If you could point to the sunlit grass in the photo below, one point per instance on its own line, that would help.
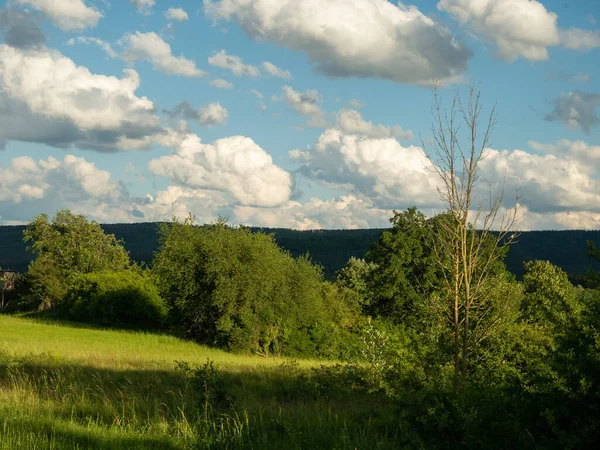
(65, 386)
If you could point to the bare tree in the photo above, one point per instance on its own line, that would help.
(476, 232)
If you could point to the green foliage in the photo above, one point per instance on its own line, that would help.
(550, 298)
(65, 247)
(405, 272)
(236, 289)
(126, 298)
(355, 276)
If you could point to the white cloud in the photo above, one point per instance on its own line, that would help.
(578, 39)
(390, 175)
(345, 212)
(518, 28)
(152, 48)
(177, 14)
(45, 97)
(578, 151)
(235, 165)
(233, 63)
(143, 6)
(94, 41)
(275, 71)
(28, 187)
(221, 84)
(351, 122)
(68, 15)
(548, 183)
(353, 38)
(306, 104)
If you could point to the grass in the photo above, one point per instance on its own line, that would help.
(67, 386)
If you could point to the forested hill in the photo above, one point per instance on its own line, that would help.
(332, 248)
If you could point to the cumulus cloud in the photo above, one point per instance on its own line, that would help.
(48, 185)
(143, 6)
(233, 63)
(275, 71)
(344, 212)
(576, 110)
(152, 48)
(21, 29)
(350, 121)
(518, 28)
(68, 15)
(235, 165)
(548, 183)
(353, 38)
(45, 97)
(578, 151)
(306, 104)
(207, 115)
(177, 14)
(578, 39)
(390, 175)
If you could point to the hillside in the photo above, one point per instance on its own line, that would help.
(332, 248)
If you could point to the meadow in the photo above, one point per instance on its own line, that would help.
(64, 385)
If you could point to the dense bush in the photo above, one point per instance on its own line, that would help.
(238, 290)
(128, 298)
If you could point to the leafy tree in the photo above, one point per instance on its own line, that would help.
(355, 276)
(238, 290)
(405, 271)
(65, 247)
(550, 298)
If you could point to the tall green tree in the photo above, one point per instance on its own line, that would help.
(67, 246)
(406, 273)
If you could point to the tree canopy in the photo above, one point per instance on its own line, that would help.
(66, 246)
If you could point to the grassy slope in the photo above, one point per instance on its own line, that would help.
(63, 386)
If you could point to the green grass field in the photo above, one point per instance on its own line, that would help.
(66, 386)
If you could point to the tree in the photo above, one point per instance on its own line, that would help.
(406, 273)
(550, 298)
(238, 290)
(462, 250)
(65, 247)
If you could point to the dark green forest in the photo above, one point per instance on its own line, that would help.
(332, 248)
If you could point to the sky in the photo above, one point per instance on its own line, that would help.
(305, 114)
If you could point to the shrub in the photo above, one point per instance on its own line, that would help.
(128, 298)
(238, 290)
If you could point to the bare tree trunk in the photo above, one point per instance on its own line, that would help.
(466, 240)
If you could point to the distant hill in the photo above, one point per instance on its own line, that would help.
(332, 248)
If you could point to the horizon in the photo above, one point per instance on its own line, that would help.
(302, 115)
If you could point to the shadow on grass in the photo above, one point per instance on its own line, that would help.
(27, 433)
(267, 408)
(51, 318)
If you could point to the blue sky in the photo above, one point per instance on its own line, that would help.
(291, 113)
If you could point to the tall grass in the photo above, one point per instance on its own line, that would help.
(64, 386)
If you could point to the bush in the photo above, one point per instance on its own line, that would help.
(238, 290)
(128, 298)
